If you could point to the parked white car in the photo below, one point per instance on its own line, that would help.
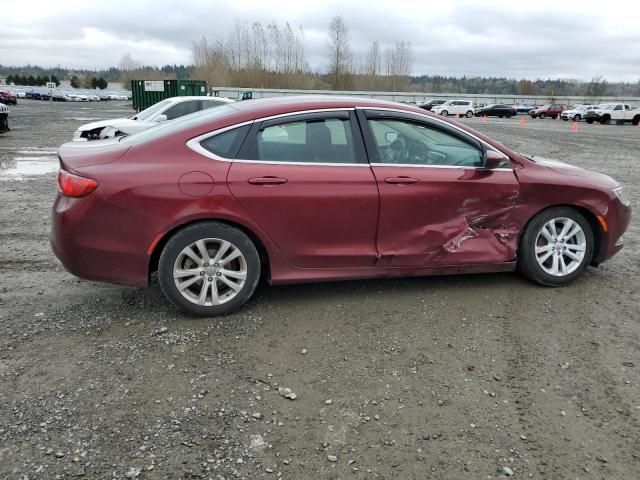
(577, 112)
(168, 109)
(453, 107)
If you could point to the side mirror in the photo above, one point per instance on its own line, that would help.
(161, 118)
(493, 159)
(391, 136)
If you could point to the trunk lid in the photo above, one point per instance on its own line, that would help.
(74, 155)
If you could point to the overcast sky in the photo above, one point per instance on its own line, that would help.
(517, 39)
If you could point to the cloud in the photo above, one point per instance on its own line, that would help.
(572, 39)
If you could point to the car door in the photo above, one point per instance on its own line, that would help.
(306, 181)
(438, 204)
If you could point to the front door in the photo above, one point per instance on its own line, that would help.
(306, 181)
(438, 205)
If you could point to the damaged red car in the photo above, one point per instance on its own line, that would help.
(319, 188)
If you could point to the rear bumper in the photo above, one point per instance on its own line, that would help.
(100, 241)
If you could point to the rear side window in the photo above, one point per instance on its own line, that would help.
(226, 144)
(326, 140)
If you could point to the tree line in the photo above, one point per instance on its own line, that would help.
(30, 80)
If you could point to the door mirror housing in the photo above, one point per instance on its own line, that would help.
(161, 118)
(493, 159)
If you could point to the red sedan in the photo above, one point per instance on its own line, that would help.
(314, 188)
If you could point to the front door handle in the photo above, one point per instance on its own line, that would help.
(400, 180)
(267, 181)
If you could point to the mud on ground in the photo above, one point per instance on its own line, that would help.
(462, 377)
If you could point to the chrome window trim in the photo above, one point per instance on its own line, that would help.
(194, 143)
(414, 165)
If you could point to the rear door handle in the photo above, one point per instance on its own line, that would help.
(400, 180)
(267, 181)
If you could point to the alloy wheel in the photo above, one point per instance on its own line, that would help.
(210, 272)
(560, 246)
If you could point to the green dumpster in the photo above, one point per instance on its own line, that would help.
(149, 92)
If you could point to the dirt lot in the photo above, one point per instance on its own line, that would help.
(464, 377)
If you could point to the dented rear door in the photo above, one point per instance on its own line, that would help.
(438, 206)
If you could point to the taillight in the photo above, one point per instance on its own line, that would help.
(74, 185)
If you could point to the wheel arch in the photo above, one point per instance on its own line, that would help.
(590, 216)
(259, 244)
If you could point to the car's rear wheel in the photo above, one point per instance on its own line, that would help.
(556, 247)
(542, 115)
(469, 114)
(209, 269)
(605, 120)
(444, 113)
(577, 117)
(635, 121)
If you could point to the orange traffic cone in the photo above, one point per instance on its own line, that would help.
(522, 121)
(574, 127)
(484, 119)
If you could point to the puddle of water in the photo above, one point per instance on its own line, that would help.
(28, 166)
(38, 151)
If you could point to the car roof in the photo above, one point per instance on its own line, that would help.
(199, 97)
(278, 105)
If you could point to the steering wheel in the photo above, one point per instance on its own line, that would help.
(417, 153)
(397, 150)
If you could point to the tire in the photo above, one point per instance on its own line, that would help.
(499, 116)
(605, 120)
(469, 114)
(509, 116)
(444, 113)
(636, 121)
(577, 118)
(566, 119)
(211, 235)
(542, 116)
(539, 266)
(590, 121)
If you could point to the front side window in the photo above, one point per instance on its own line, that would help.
(326, 140)
(406, 142)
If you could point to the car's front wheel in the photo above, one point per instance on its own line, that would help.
(542, 115)
(469, 114)
(209, 269)
(556, 247)
(444, 113)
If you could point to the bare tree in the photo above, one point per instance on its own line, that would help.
(398, 66)
(128, 66)
(339, 53)
(373, 66)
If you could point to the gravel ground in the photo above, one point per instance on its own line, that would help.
(465, 377)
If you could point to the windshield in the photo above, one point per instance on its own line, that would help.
(151, 111)
(182, 123)
(608, 106)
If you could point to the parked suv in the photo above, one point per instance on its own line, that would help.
(618, 112)
(552, 110)
(577, 112)
(453, 107)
